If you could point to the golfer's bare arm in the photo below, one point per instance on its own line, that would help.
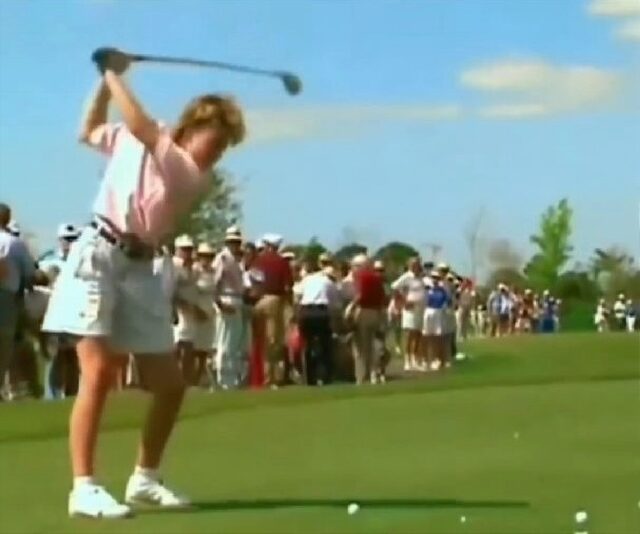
(141, 125)
(96, 113)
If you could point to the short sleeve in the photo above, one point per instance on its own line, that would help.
(399, 283)
(176, 165)
(103, 138)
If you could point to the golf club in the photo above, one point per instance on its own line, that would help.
(291, 82)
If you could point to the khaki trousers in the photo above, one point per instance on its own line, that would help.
(367, 323)
(272, 308)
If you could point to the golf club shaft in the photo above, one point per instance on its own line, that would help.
(202, 63)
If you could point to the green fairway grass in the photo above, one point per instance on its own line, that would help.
(516, 440)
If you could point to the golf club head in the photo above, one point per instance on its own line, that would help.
(291, 82)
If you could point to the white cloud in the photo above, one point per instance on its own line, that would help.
(629, 31)
(615, 8)
(286, 124)
(536, 87)
(514, 111)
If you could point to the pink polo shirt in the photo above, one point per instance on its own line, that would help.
(145, 192)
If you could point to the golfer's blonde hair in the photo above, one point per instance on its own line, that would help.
(217, 111)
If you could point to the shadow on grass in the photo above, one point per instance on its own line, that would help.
(381, 504)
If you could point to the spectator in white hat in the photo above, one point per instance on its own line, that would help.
(62, 371)
(186, 299)
(67, 234)
(228, 291)
(204, 335)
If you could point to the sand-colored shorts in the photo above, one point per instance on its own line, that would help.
(101, 292)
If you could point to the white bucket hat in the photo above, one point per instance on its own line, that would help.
(275, 240)
(67, 231)
(233, 234)
(206, 249)
(184, 241)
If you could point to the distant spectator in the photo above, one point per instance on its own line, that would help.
(370, 303)
(18, 270)
(601, 318)
(278, 286)
(410, 288)
(632, 313)
(316, 297)
(620, 313)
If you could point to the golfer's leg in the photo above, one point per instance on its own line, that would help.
(161, 376)
(99, 368)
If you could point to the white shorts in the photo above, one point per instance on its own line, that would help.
(434, 323)
(186, 328)
(413, 319)
(205, 338)
(102, 293)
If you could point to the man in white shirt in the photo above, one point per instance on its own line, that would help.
(228, 291)
(316, 297)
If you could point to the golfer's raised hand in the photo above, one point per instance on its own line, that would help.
(110, 59)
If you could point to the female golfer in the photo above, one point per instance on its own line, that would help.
(107, 293)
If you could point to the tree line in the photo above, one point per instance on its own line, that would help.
(608, 272)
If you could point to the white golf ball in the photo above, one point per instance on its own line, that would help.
(463, 519)
(581, 516)
(352, 508)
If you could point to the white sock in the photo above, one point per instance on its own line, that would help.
(146, 472)
(78, 482)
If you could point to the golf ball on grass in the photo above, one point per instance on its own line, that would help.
(463, 519)
(581, 516)
(353, 508)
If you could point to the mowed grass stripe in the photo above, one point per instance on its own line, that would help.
(511, 361)
(415, 463)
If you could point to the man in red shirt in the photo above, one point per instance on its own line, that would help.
(370, 299)
(278, 283)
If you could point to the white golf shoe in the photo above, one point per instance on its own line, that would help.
(145, 490)
(90, 500)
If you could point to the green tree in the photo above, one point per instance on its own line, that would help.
(553, 244)
(576, 285)
(511, 276)
(308, 251)
(395, 256)
(613, 270)
(214, 212)
(313, 249)
(347, 252)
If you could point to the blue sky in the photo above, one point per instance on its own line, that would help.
(422, 112)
